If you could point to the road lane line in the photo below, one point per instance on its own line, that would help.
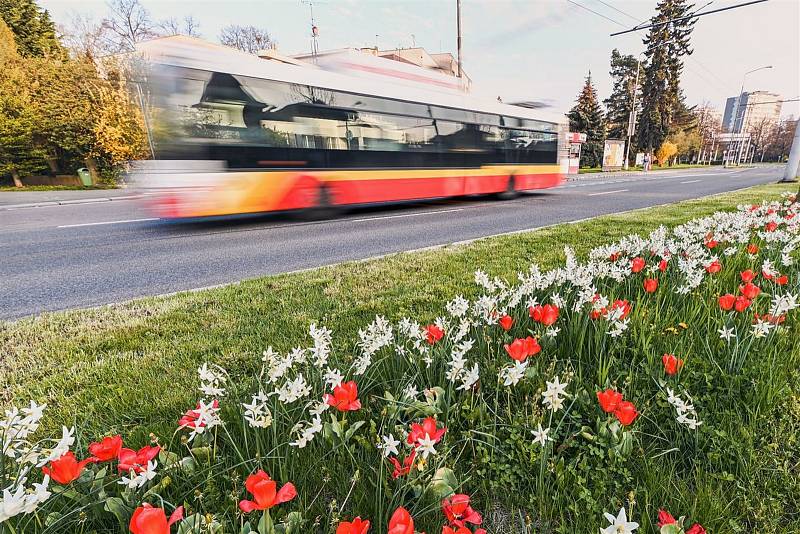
(432, 212)
(691, 181)
(607, 192)
(108, 222)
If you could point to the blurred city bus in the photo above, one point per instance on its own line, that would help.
(234, 133)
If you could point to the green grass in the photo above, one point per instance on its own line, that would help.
(131, 368)
(107, 366)
(11, 188)
(591, 170)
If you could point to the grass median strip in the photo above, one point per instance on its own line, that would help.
(124, 366)
(547, 400)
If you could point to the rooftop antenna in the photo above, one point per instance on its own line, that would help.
(314, 29)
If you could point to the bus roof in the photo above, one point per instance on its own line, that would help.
(191, 52)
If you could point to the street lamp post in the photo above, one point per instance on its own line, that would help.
(735, 115)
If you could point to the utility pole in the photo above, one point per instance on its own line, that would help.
(793, 165)
(632, 117)
(458, 29)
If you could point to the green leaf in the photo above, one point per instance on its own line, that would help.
(293, 523)
(352, 430)
(265, 525)
(120, 509)
(443, 483)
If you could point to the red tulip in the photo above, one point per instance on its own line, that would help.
(506, 322)
(401, 522)
(626, 412)
(136, 460)
(344, 398)
(696, 529)
(549, 314)
(356, 526)
(714, 267)
(741, 304)
(671, 364)
(149, 520)
(752, 248)
(747, 276)
(433, 333)
(265, 491)
(650, 285)
(662, 265)
(106, 449)
(458, 511)
(782, 280)
(726, 301)
(665, 518)
(609, 400)
(771, 226)
(767, 276)
(711, 243)
(769, 318)
(428, 427)
(536, 312)
(66, 469)
(637, 264)
(750, 290)
(520, 349)
(405, 469)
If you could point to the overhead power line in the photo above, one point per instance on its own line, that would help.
(596, 13)
(692, 16)
(639, 21)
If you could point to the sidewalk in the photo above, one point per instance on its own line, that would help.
(28, 199)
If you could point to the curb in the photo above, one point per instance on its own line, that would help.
(67, 202)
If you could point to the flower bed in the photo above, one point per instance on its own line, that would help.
(621, 383)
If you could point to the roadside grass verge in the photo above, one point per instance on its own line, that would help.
(130, 369)
(28, 188)
(131, 366)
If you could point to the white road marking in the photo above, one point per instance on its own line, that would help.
(607, 192)
(108, 222)
(691, 181)
(401, 216)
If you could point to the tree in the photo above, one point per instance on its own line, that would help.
(246, 38)
(667, 43)
(128, 23)
(34, 31)
(587, 117)
(19, 152)
(172, 26)
(779, 140)
(665, 152)
(620, 103)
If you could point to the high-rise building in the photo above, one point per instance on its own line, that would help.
(750, 110)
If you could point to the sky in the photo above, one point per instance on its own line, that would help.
(538, 50)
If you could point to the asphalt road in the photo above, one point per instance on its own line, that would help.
(59, 256)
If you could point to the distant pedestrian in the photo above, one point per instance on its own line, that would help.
(646, 163)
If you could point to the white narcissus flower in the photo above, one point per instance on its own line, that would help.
(389, 445)
(552, 396)
(619, 524)
(469, 378)
(513, 374)
(726, 333)
(425, 446)
(541, 436)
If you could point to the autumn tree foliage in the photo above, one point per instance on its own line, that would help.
(58, 114)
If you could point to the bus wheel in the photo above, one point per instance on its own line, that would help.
(323, 208)
(510, 191)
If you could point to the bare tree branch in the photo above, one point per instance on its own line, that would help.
(128, 23)
(246, 38)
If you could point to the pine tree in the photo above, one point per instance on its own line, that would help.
(620, 103)
(667, 43)
(587, 117)
(34, 31)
